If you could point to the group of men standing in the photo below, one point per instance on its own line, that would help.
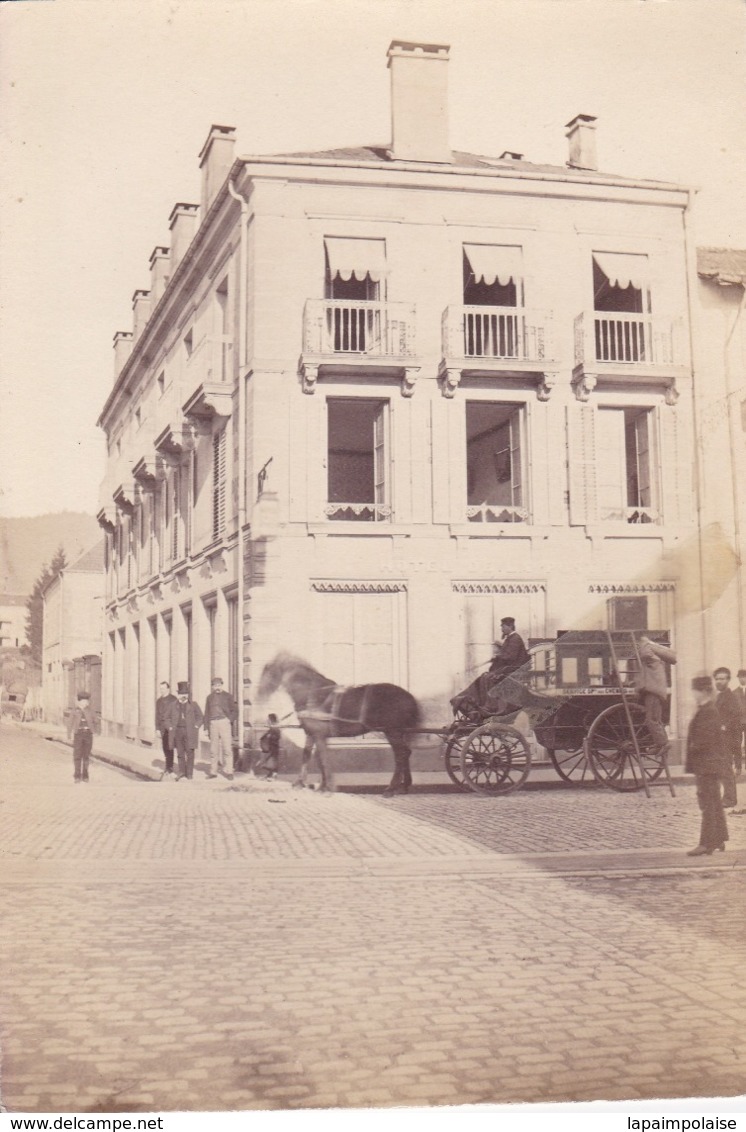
(178, 720)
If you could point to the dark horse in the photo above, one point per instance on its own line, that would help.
(327, 711)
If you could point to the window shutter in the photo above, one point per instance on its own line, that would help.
(677, 462)
(218, 484)
(581, 437)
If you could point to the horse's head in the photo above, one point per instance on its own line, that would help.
(292, 674)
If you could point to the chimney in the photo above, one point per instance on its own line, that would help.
(581, 133)
(419, 102)
(215, 160)
(123, 343)
(159, 269)
(183, 225)
(140, 312)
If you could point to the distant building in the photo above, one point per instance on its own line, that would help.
(720, 421)
(73, 622)
(13, 621)
(377, 398)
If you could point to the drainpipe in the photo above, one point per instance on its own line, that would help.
(691, 276)
(242, 323)
(730, 408)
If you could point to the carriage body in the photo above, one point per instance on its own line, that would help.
(578, 691)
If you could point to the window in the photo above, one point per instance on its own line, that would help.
(628, 612)
(625, 462)
(234, 658)
(218, 483)
(620, 288)
(494, 463)
(211, 610)
(175, 514)
(492, 278)
(357, 460)
(355, 276)
(189, 342)
(161, 383)
(361, 633)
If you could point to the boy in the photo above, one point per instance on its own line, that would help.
(81, 725)
(270, 744)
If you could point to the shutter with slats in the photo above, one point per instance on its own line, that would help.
(581, 437)
(218, 484)
(677, 462)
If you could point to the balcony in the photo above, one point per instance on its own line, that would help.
(484, 341)
(612, 346)
(208, 381)
(342, 336)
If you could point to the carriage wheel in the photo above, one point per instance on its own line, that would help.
(611, 749)
(572, 765)
(495, 759)
(452, 755)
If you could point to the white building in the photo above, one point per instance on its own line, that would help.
(72, 627)
(13, 614)
(377, 398)
(720, 407)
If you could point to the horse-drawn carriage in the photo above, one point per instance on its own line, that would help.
(576, 694)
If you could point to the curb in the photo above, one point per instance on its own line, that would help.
(148, 774)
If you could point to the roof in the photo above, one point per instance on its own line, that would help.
(725, 265)
(91, 561)
(380, 155)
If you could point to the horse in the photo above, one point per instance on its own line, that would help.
(326, 710)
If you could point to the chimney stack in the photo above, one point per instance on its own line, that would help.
(215, 160)
(419, 102)
(123, 343)
(140, 312)
(159, 268)
(581, 133)
(183, 224)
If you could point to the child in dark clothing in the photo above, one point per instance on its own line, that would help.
(81, 725)
(270, 745)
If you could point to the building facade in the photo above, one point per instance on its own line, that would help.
(13, 614)
(720, 421)
(376, 399)
(71, 641)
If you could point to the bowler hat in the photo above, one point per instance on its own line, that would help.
(507, 621)
(702, 683)
(182, 688)
(84, 695)
(741, 672)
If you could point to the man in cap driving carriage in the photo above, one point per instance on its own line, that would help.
(510, 655)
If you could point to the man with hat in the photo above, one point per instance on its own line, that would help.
(740, 694)
(707, 759)
(161, 706)
(221, 713)
(184, 719)
(82, 723)
(730, 717)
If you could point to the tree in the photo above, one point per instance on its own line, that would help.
(35, 604)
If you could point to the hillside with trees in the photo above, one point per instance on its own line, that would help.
(27, 545)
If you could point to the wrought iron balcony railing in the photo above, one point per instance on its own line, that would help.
(372, 329)
(627, 339)
(499, 333)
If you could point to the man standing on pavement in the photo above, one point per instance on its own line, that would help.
(221, 713)
(81, 726)
(740, 694)
(730, 718)
(184, 719)
(651, 683)
(161, 705)
(706, 757)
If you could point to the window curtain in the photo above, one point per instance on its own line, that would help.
(356, 258)
(490, 262)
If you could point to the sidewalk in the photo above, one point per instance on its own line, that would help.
(146, 762)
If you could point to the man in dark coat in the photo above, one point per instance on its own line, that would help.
(707, 759)
(82, 724)
(510, 654)
(730, 717)
(161, 705)
(740, 694)
(184, 719)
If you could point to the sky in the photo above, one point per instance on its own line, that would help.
(105, 105)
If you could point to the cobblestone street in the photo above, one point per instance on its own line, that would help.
(207, 945)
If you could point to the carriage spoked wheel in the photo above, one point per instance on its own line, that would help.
(572, 764)
(495, 759)
(611, 749)
(452, 753)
